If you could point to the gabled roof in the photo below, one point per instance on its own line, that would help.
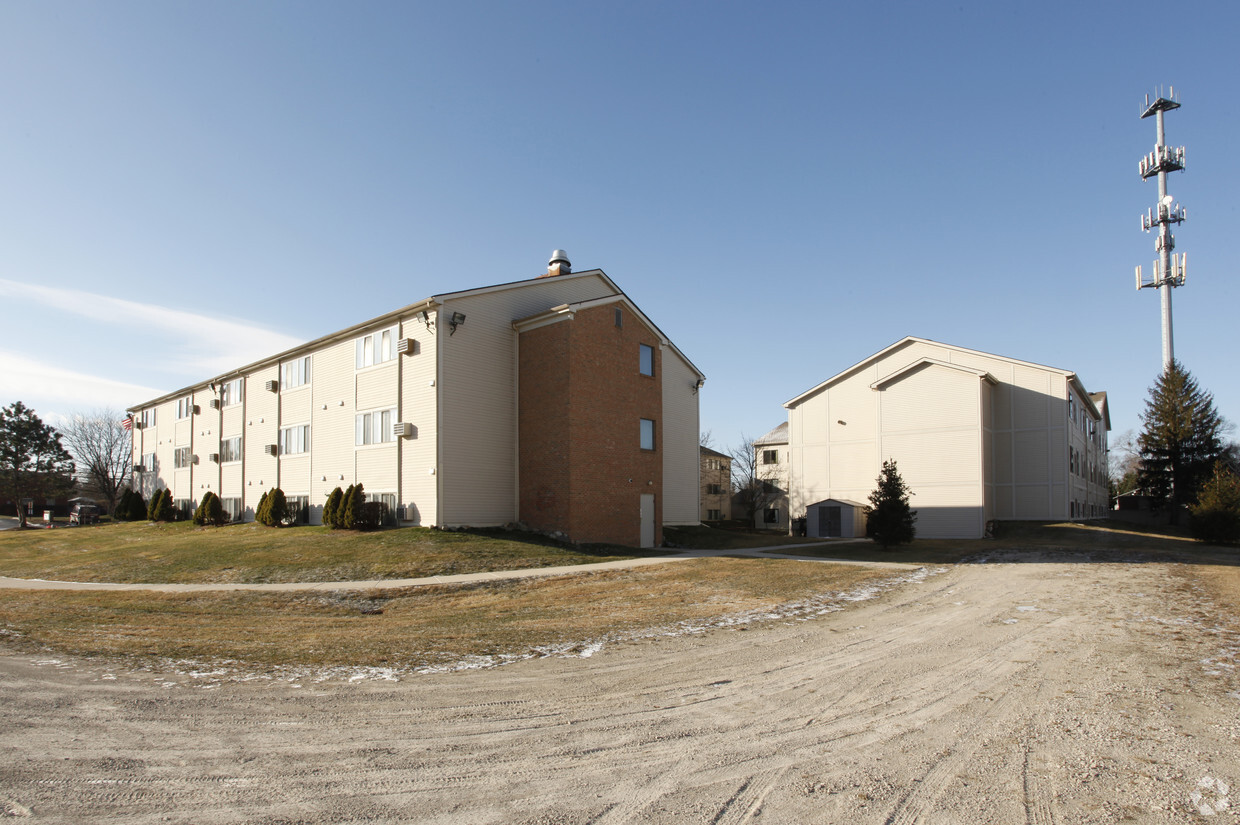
(779, 435)
(900, 373)
(1100, 403)
(565, 312)
(707, 451)
(1068, 375)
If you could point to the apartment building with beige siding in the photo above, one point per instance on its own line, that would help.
(423, 407)
(977, 437)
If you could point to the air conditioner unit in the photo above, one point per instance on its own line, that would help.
(271, 449)
(138, 425)
(407, 346)
(215, 403)
(400, 514)
(272, 386)
(214, 458)
(402, 429)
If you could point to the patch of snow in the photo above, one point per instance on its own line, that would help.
(1010, 621)
(1026, 609)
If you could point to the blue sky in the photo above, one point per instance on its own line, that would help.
(785, 188)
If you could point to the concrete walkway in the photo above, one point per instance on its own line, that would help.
(463, 578)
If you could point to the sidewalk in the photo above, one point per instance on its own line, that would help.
(463, 578)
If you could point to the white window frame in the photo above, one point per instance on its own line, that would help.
(295, 373)
(377, 347)
(374, 427)
(148, 462)
(770, 457)
(181, 458)
(295, 440)
(232, 392)
(226, 452)
(185, 407)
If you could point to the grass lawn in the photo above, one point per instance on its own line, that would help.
(181, 552)
(411, 628)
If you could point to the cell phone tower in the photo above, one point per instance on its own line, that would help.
(1169, 269)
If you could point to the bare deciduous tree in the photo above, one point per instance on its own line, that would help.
(101, 445)
(754, 486)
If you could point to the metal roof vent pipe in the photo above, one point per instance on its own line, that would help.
(558, 265)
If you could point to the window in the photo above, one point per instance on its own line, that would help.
(148, 462)
(181, 458)
(231, 392)
(148, 418)
(375, 427)
(647, 434)
(646, 359)
(230, 449)
(295, 373)
(298, 509)
(294, 440)
(185, 407)
(619, 317)
(232, 508)
(388, 500)
(770, 456)
(184, 508)
(713, 515)
(376, 348)
(714, 490)
(771, 515)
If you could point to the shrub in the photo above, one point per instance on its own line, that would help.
(121, 513)
(273, 509)
(1216, 515)
(260, 512)
(210, 510)
(374, 514)
(163, 506)
(153, 505)
(351, 508)
(332, 508)
(137, 507)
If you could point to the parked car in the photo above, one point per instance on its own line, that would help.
(83, 514)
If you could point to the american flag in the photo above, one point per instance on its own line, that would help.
(128, 422)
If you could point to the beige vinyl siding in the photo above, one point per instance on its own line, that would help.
(262, 427)
(682, 463)
(377, 466)
(477, 385)
(419, 453)
(331, 422)
(295, 475)
(378, 386)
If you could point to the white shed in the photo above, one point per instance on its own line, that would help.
(835, 518)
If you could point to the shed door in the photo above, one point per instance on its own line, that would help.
(829, 521)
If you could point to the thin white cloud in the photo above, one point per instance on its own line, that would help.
(201, 345)
(25, 378)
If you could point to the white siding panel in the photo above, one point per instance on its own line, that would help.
(377, 386)
(1030, 397)
(943, 458)
(377, 467)
(295, 476)
(1031, 457)
(681, 455)
(929, 398)
(853, 466)
(477, 384)
(1032, 502)
(262, 427)
(419, 453)
(854, 403)
(331, 424)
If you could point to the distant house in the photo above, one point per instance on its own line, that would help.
(716, 475)
(771, 458)
(553, 401)
(975, 436)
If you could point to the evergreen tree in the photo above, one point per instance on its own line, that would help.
(332, 508)
(121, 513)
(153, 505)
(1180, 441)
(33, 462)
(1216, 515)
(137, 507)
(210, 510)
(260, 512)
(891, 520)
(163, 507)
(277, 508)
(354, 500)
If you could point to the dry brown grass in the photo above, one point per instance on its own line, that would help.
(409, 628)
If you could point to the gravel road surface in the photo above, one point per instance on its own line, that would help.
(1051, 690)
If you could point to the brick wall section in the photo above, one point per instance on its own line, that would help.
(542, 419)
(585, 371)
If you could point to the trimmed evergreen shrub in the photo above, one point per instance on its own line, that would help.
(163, 506)
(121, 513)
(273, 508)
(374, 513)
(351, 510)
(137, 507)
(260, 512)
(153, 505)
(332, 508)
(210, 510)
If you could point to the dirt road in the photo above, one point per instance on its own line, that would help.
(1052, 691)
